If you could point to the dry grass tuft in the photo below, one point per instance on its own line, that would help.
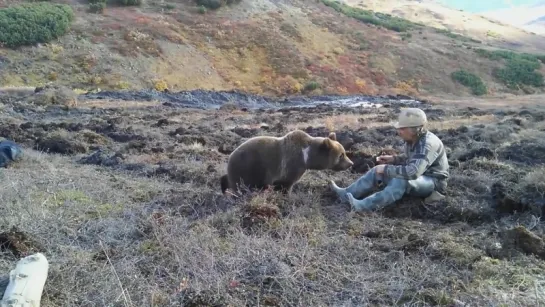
(54, 96)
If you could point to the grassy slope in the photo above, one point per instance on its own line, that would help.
(270, 47)
(155, 219)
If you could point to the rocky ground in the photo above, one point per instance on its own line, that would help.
(123, 197)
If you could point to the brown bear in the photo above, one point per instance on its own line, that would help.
(280, 162)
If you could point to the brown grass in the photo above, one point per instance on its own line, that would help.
(154, 230)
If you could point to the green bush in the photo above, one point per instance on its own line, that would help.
(97, 6)
(519, 69)
(506, 54)
(453, 35)
(519, 72)
(215, 4)
(541, 58)
(311, 86)
(384, 20)
(31, 23)
(470, 80)
(128, 2)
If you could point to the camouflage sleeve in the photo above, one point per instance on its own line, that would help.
(424, 155)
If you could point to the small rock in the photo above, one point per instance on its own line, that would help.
(162, 122)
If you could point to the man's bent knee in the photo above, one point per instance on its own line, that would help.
(423, 186)
(398, 187)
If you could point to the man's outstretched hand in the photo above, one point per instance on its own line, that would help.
(385, 159)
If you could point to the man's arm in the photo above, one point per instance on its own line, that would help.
(424, 156)
(399, 159)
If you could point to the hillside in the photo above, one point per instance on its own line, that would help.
(266, 47)
(528, 17)
(494, 32)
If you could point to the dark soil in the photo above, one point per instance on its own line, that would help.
(229, 100)
(19, 243)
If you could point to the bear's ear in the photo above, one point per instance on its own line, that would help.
(326, 144)
(332, 136)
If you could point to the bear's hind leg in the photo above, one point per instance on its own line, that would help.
(283, 186)
(252, 183)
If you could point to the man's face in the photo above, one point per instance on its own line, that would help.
(407, 134)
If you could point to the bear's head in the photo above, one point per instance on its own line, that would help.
(327, 153)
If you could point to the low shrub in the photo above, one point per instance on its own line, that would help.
(457, 36)
(215, 4)
(507, 55)
(470, 80)
(311, 86)
(97, 6)
(380, 19)
(518, 72)
(519, 69)
(31, 23)
(128, 2)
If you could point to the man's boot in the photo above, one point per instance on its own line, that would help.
(393, 192)
(434, 197)
(360, 187)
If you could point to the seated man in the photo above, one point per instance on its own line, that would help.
(422, 170)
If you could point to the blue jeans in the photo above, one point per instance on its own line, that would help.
(395, 189)
(9, 152)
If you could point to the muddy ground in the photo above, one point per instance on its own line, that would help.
(123, 197)
(206, 99)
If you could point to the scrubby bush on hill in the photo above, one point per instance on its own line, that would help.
(470, 80)
(519, 69)
(506, 54)
(519, 72)
(98, 6)
(215, 4)
(32, 23)
(453, 35)
(311, 86)
(541, 58)
(128, 2)
(385, 20)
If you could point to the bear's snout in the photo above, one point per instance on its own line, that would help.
(344, 164)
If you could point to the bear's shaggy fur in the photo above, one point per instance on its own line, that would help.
(265, 161)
